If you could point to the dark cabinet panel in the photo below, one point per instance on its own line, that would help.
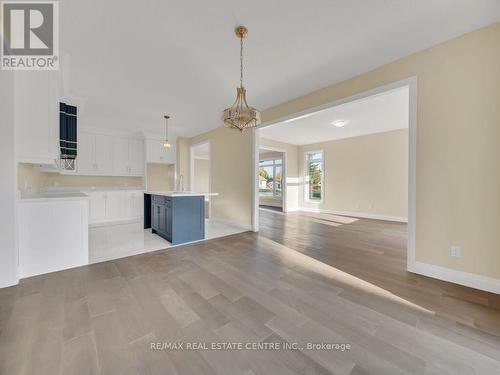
(178, 219)
(168, 219)
(162, 219)
(155, 217)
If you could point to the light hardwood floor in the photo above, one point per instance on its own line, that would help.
(303, 278)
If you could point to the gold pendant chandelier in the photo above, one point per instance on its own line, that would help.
(240, 115)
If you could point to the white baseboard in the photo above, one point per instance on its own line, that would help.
(471, 280)
(361, 215)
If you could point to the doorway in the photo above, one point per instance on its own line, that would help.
(272, 179)
(303, 178)
(200, 172)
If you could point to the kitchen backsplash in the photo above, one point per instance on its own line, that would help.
(29, 178)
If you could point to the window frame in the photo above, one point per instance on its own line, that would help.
(306, 176)
(274, 176)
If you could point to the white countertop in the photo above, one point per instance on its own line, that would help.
(90, 188)
(181, 193)
(27, 196)
(61, 193)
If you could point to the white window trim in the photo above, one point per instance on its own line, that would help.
(306, 177)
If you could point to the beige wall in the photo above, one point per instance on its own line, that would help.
(182, 161)
(291, 170)
(458, 138)
(32, 179)
(366, 174)
(201, 174)
(160, 177)
(231, 169)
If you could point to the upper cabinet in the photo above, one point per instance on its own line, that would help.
(120, 156)
(85, 153)
(100, 152)
(128, 156)
(109, 155)
(156, 153)
(136, 157)
(94, 154)
(36, 108)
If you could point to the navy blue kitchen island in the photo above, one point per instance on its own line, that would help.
(177, 217)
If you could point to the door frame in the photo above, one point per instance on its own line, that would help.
(411, 82)
(283, 175)
(191, 170)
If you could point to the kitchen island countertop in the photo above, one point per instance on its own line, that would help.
(181, 193)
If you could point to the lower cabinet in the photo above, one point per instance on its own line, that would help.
(115, 205)
(161, 216)
(178, 219)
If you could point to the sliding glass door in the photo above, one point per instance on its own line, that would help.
(270, 174)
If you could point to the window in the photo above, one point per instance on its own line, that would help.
(314, 176)
(270, 174)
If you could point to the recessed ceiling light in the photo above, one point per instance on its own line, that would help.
(339, 123)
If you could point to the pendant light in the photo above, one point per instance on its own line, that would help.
(166, 142)
(240, 115)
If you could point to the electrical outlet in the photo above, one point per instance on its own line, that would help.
(456, 251)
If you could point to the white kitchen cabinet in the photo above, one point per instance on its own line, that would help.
(85, 154)
(103, 154)
(136, 157)
(128, 156)
(36, 109)
(97, 201)
(120, 156)
(136, 204)
(112, 206)
(156, 153)
(115, 209)
(94, 154)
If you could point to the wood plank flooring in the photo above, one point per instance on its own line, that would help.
(303, 278)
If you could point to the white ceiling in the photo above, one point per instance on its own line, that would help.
(126, 63)
(374, 114)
